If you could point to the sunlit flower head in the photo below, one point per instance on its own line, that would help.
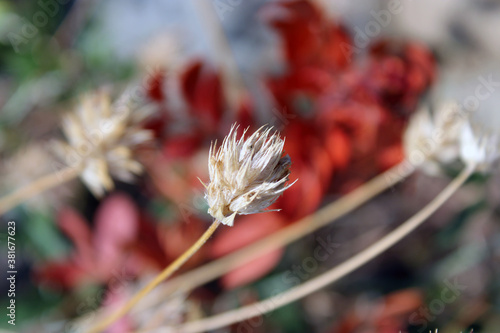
(479, 145)
(433, 140)
(100, 140)
(246, 176)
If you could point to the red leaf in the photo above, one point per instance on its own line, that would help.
(299, 23)
(336, 52)
(400, 302)
(304, 196)
(61, 274)
(312, 165)
(116, 222)
(76, 228)
(244, 114)
(387, 314)
(251, 271)
(201, 87)
(390, 157)
(182, 146)
(154, 85)
(339, 148)
(189, 80)
(246, 230)
(360, 120)
(147, 245)
(157, 123)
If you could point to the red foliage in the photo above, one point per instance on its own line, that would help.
(312, 166)
(308, 37)
(345, 117)
(399, 73)
(360, 107)
(100, 253)
(246, 231)
(155, 83)
(201, 88)
(182, 145)
(122, 245)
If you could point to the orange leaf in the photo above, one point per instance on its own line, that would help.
(246, 230)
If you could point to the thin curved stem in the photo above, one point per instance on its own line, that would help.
(36, 187)
(334, 274)
(231, 76)
(291, 233)
(167, 272)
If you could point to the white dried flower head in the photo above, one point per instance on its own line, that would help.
(246, 176)
(479, 146)
(433, 140)
(101, 138)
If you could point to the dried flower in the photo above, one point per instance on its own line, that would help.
(479, 146)
(246, 176)
(433, 140)
(448, 135)
(101, 138)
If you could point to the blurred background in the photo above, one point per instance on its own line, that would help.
(339, 79)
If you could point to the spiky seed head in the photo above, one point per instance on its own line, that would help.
(450, 134)
(479, 146)
(101, 138)
(432, 140)
(246, 176)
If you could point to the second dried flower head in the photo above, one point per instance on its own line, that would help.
(101, 138)
(246, 176)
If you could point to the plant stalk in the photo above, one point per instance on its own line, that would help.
(166, 273)
(289, 234)
(334, 274)
(36, 187)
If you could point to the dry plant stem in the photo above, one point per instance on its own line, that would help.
(36, 187)
(334, 274)
(291, 233)
(167, 272)
(234, 84)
